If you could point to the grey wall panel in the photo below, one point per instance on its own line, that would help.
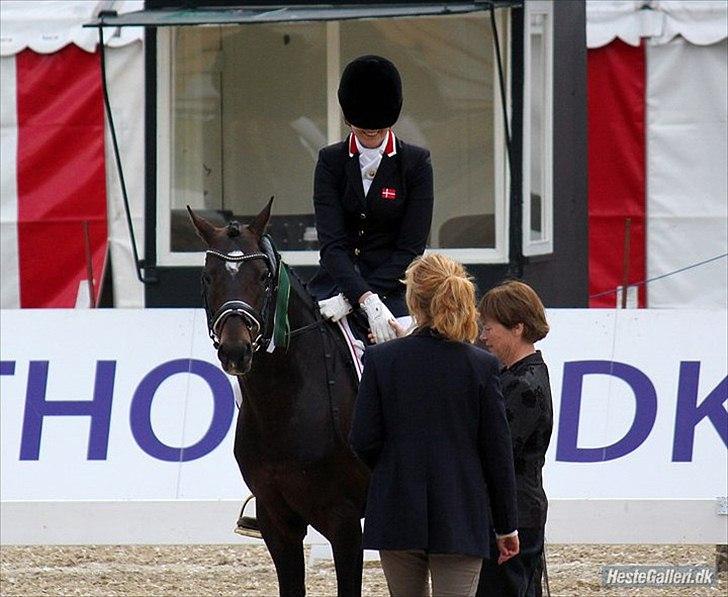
(562, 279)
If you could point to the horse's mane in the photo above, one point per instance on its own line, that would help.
(300, 287)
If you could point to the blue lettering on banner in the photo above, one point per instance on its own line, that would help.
(645, 412)
(689, 414)
(140, 416)
(37, 407)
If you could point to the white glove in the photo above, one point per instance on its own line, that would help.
(379, 317)
(335, 308)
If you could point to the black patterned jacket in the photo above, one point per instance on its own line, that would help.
(527, 394)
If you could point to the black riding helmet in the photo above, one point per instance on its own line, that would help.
(370, 92)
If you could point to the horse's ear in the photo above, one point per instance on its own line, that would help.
(259, 224)
(203, 227)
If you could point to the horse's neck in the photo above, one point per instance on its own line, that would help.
(302, 309)
(290, 390)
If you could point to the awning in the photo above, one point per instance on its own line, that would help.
(166, 17)
(701, 22)
(47, 27)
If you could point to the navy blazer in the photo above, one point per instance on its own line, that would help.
(367, 242)
(430, 422)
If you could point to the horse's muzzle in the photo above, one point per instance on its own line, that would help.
(236, 350)
(237, 359)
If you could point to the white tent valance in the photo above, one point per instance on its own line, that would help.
(47, 26)
(700, 22)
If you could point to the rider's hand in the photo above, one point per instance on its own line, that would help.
(507, 547)
(379, 317)
(335, 308)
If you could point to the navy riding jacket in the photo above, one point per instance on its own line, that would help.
(367, 242)
(430, 422)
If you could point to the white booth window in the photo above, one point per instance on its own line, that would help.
(242, 111)
(537, 129)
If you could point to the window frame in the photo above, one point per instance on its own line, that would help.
(545, 246)
(165, 145)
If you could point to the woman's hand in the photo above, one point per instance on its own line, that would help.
(507, 547)
(398, 328)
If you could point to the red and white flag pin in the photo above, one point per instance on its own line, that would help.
(388, 193)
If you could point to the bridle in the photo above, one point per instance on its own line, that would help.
(260, 324)
(255, 321)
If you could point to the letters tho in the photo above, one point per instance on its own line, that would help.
(37, 407)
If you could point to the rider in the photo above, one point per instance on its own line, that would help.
(373, 200)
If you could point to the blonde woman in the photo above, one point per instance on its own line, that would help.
(430, 423)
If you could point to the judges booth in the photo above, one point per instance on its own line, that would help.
(240, 97)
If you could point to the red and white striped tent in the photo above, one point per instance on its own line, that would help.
(658, 105)
(657, 73)
(60, 200)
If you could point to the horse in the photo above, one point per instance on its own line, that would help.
(298, 387)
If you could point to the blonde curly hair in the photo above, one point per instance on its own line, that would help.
(441, 295)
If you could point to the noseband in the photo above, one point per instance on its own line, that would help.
(253, 320)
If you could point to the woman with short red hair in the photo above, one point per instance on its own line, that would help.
(514, 319)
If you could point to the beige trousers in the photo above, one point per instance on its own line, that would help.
(453, 575)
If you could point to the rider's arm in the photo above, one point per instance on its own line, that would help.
(334, 252)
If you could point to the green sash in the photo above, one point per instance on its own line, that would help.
(281, 326)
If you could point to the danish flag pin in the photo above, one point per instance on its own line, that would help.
(388, 193)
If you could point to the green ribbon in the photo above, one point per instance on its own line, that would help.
(281, 326)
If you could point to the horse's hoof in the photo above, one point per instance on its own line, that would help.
(248, 527)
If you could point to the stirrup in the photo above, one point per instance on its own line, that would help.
(247, 526)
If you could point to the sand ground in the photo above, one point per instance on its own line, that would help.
(246, 569)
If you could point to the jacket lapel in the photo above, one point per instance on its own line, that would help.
(353, 177)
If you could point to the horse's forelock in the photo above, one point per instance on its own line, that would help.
(233, 229)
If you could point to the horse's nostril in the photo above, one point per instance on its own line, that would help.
(236, 356)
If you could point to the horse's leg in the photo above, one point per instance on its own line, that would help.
(345, 538)
(283, 535)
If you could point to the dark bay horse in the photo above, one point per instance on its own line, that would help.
(290, 440)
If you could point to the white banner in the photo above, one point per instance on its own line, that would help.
(112, 405)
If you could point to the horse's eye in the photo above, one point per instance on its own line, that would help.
(206, 278)
(264, 276)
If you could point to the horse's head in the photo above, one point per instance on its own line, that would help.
(237, 285)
